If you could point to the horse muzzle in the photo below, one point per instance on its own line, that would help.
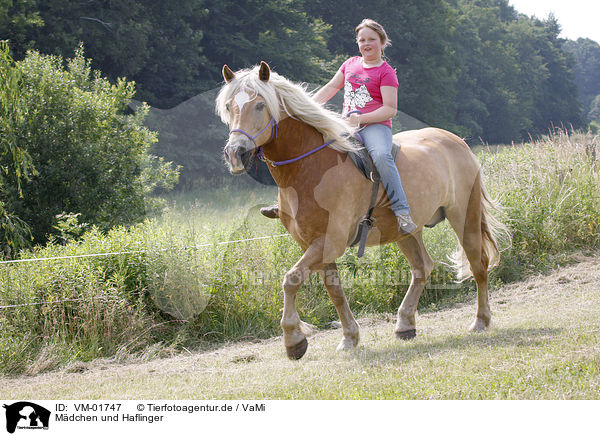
(238, 155)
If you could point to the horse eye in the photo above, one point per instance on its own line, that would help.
(260, 106)
(227, 107)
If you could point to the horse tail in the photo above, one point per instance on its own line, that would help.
(492, 230)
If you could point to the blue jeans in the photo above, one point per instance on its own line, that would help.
(378, 141)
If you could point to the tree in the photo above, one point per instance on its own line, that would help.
(15, 162)
(488, 88)
(90, 158)
(18, 19)
(586, 53)
(243, 33)
(175, 53)
(515, 78)
(556, 104)
(152, 43)
(594, 113)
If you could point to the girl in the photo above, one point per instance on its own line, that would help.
(370, 98)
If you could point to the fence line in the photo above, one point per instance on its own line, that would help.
(117, 253)
(39, 303)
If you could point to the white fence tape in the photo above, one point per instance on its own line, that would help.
(117, 253)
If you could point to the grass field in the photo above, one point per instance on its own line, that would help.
(544, 344)
(184, 287)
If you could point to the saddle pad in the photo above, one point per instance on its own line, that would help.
(363, 161)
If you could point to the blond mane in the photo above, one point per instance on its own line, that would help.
(280, 93)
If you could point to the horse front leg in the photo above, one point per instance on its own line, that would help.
(294, 330)
(331, 279)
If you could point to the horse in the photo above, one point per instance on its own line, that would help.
(322, 196)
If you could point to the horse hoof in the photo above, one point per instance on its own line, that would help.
(478, 326)
(406, 335)
(297, 351)
(347, 344)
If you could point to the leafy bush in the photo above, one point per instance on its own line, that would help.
(90, 157)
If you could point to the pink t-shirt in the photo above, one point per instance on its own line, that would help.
(362, 86)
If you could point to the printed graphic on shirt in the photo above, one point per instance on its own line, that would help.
(355, 99)
(358, 78)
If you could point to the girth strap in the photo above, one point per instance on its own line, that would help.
(367, 222)
(364, 163)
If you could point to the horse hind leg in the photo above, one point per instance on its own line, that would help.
(470, 227)
(331, 279)
(421, 266)
(472, 246)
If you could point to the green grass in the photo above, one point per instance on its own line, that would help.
(183, 289)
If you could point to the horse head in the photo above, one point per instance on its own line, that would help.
(252, 124)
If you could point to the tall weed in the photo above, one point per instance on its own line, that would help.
(550, 190)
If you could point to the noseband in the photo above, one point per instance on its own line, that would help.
(271, 123)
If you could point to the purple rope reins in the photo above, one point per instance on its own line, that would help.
(262, 157)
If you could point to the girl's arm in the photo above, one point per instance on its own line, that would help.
(389, 95)
(324, 94)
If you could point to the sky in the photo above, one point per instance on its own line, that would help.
(577, 18)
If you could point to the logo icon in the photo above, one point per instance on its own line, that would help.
(26, 415)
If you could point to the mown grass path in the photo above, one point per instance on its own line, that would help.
(544, 344)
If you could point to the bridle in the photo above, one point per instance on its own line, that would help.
(259, 153)
(271, 123)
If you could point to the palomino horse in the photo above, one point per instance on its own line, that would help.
(322, 196)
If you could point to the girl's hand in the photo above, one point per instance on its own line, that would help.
(354, 120)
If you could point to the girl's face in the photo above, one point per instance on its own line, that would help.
(369, 44)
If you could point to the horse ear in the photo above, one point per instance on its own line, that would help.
(264, 72)
(228, 75)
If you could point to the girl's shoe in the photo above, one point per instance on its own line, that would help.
(405, 224)
(270, 211)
